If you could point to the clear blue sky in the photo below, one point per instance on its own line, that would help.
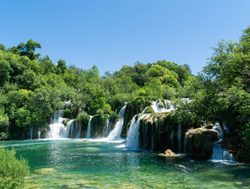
(112, 33)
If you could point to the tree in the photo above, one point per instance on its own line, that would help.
(61, 66)
(4, 71)
(28, 49)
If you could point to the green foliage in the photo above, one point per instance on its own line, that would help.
(12, 171)
(223, 93)
(67, 113)
(113, 117)
(4, 122)
(33, 87)
(4, 71)
(61, 67)
(27, 49)
(82, 117)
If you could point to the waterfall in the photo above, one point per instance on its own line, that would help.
(133, 132)
(221, 154)
(159, 107)
(56, 127)
(116, 132)
(73, 130)
(39, 134)
(172, 138)
(169, 105)
(179, 138)
(88, 135)
(57, 117)
(31, 133)
(106, 128)
(185, 144)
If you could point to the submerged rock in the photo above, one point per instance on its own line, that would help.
(45, 171)
(200, 142)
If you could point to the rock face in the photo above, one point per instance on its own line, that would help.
(99, 126)
(200, 142)
(158, 131)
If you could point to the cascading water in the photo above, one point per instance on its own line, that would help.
(179, 138)
(106, 128)
(39, 134)
(160, 107)
(116, 132)
(73, 129)
(169, 105)
(31, 133)
(133, 132)
(185, 144)
(220, 154)
(56, 128)
(88, 135)
(155, 106)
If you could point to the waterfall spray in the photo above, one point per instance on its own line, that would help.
(133, 132)
(116, 132)
(56, 127)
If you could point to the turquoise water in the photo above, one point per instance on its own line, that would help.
(78, 164)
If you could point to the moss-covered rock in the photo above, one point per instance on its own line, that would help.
(98, 125)
(83, 120)
(200, 142)
(155, 130)
(160, 131)
(45, 171)
(148, 110)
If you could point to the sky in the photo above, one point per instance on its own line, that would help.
(113, 33)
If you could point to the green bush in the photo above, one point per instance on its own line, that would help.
(12, 170)
(113, 117)
(3, 136)
(67, 113)
(82, 117)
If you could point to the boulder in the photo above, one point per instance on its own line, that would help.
(160, 131)
(200, 142)
(45, 171)
(168, 153)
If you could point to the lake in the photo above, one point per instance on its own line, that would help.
(96, 164)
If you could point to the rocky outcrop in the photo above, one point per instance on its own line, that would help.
(159, 131)
(99, 126)
(200, 142)
(82, 120)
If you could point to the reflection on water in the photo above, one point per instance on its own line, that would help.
(97, 164)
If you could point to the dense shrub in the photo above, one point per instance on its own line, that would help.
(12, 170)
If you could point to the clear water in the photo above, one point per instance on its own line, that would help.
(78, 164)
